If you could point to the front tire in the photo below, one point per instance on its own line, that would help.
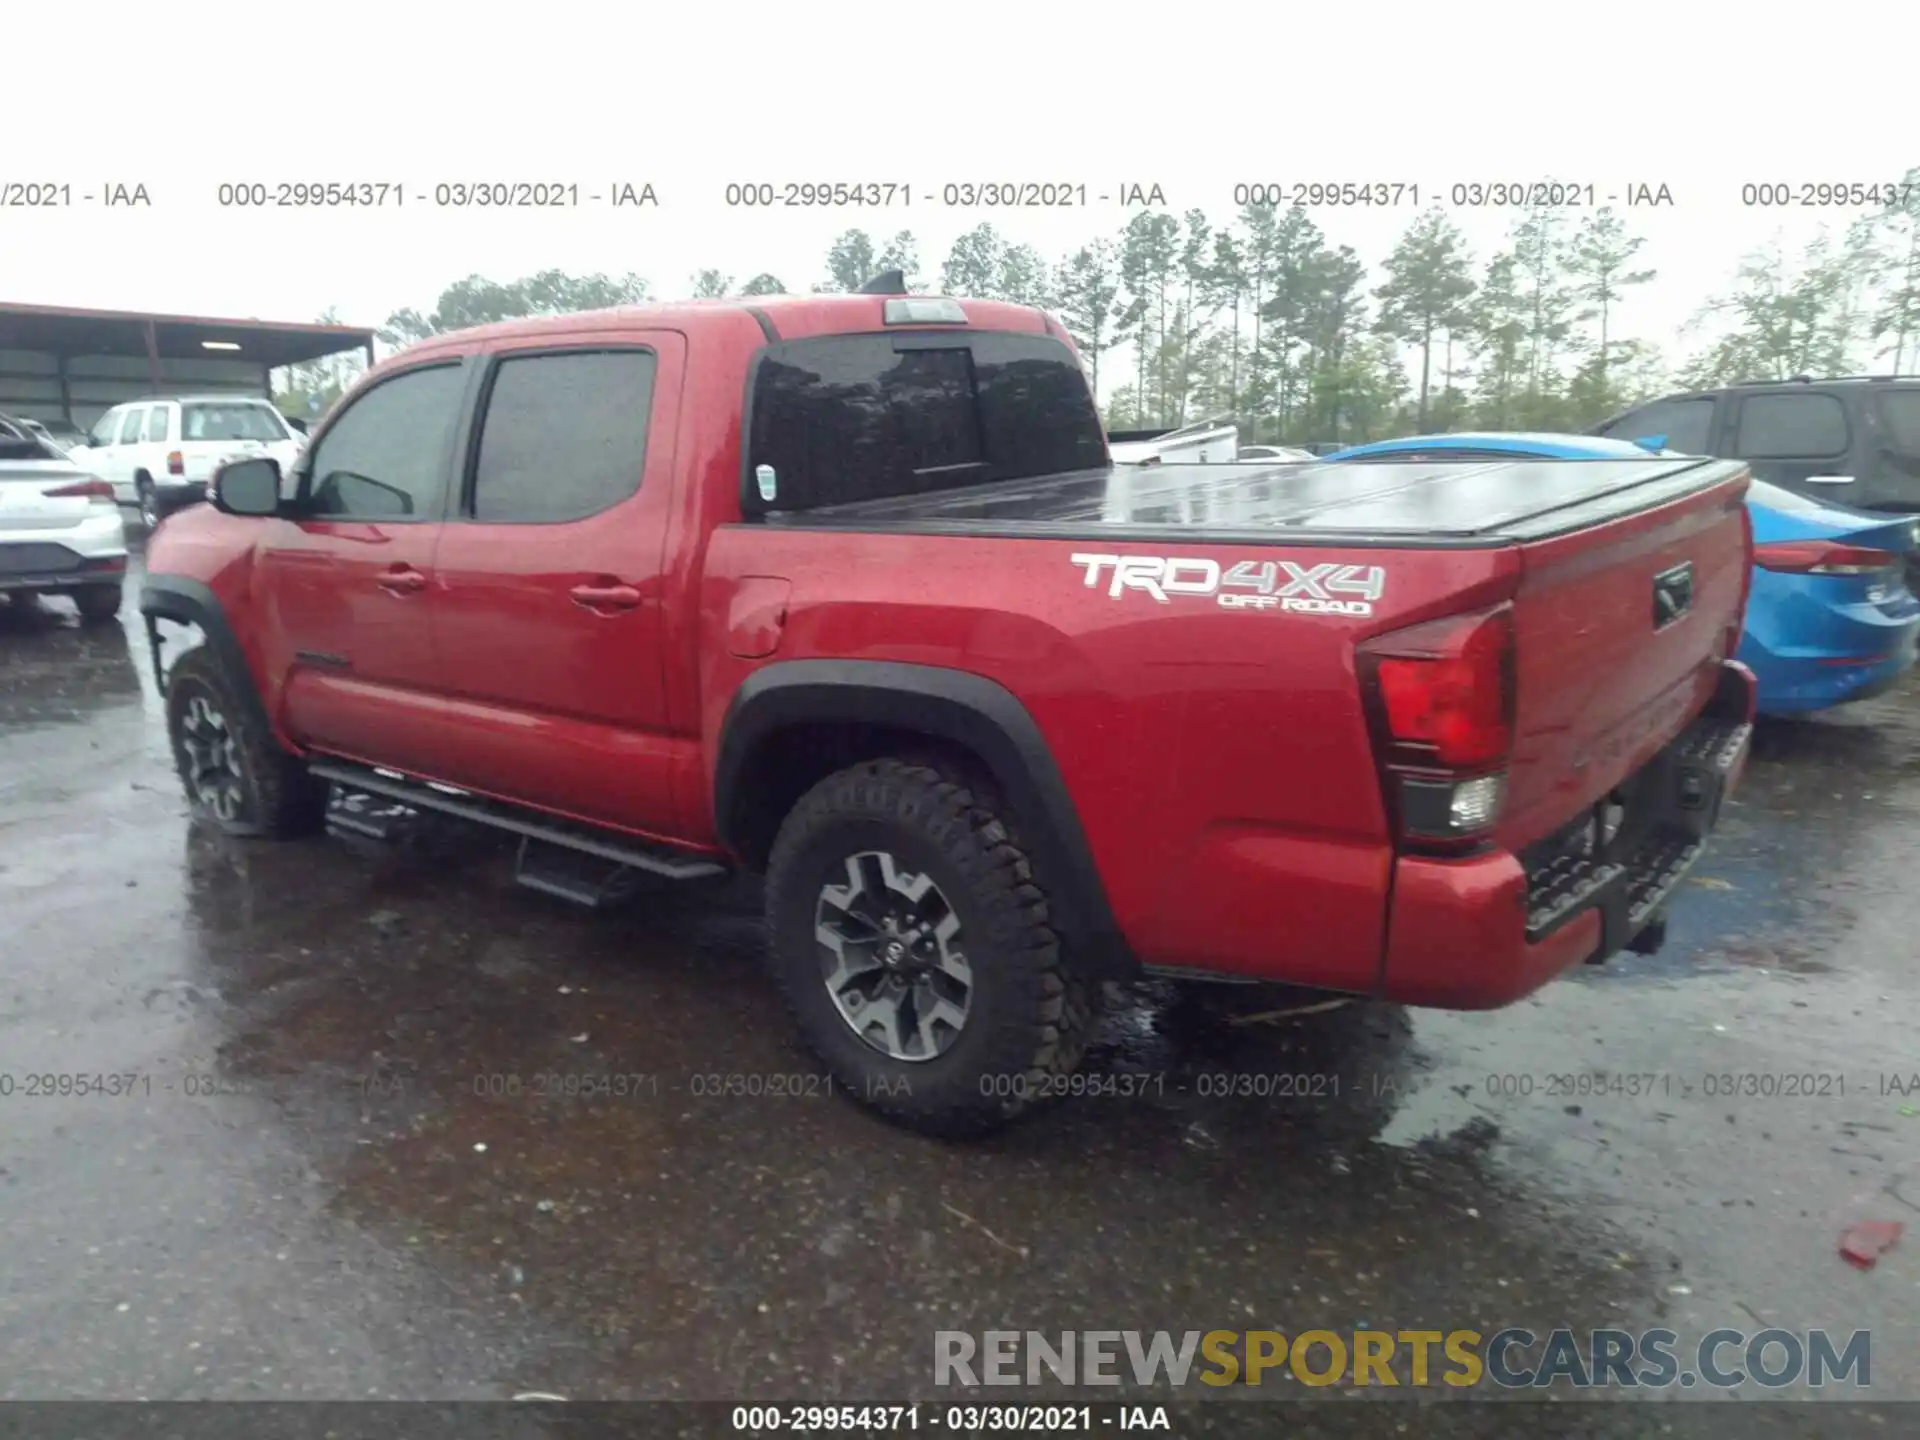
(236, 776)
(149, 503)
(98, 604)
(913, 948)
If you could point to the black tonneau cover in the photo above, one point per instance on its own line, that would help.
(1470, 503)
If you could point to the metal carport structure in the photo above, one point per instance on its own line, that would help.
(63, 363)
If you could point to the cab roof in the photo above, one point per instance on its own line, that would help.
(779, 317)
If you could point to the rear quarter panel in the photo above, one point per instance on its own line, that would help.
(1219, 759)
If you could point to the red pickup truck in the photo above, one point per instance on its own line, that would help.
(846, 591)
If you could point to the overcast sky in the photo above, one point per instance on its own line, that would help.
(1194, 97)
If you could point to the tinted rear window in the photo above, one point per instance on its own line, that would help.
(230, 422)
(1685, 423)
(19, 443)
(1790, 427)
(1900, 418)
(565, 435)
(865, 417)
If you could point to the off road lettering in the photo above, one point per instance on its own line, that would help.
(1315, 590)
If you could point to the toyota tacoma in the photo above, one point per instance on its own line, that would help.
(845, 591)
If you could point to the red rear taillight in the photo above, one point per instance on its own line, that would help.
(1443, 700)
(176, 463)
(1822, 557)
(98, 491)
(1446, 687)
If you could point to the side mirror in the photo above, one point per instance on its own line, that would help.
(1652, 444)
(297, 424)
(247, 487)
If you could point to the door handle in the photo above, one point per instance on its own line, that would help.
(605, 597)
(403, 582)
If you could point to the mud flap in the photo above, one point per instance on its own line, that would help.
(1652, 937)
(154, 648)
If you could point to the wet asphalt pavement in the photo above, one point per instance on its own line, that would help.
(320, 1183)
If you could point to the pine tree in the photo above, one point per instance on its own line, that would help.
(1428, 285)
(973, 265)
(1601, 253)
(1088, 291)
(849, 262)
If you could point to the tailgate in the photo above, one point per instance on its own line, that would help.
(1619, 631)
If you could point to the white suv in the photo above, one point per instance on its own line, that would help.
(160, 454)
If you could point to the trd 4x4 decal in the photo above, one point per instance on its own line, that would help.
(1249, 585)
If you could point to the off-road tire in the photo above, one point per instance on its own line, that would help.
(149, 501)
(98, 604)
(279, 798)
(1031, 1010)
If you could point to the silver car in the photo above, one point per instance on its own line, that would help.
(60, 529)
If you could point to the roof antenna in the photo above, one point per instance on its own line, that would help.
(887, 282)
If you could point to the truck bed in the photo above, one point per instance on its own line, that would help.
(1385, 503)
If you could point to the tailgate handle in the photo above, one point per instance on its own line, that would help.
(1672, 594)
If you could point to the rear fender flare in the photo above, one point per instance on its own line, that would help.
(955, 706)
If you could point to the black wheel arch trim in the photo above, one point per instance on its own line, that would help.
(191, 602)
(956, 706)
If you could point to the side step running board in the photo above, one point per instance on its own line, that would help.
(572, 875)
(619, 849)
(364, 814)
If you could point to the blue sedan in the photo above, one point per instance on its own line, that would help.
(1830, 617)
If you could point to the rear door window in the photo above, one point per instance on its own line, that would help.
(19, 442)
(565, 436)
(1900, 423)
(1792, 426)
(1687, 424)
(157, 419)
(848, 418)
